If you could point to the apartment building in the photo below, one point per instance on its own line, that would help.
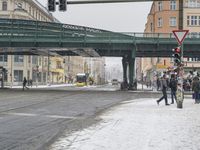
(164, 18)
(40, 69)
(19, 66)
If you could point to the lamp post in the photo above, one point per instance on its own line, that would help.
(11, 71)
(48, 74)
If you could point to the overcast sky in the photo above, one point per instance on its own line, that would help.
(120, 17)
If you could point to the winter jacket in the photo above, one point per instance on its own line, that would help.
(163, 84)
(196, 86)
(173, 84)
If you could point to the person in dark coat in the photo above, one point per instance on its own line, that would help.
(173, 87)
(196, 89)
(158, 83)
(24, 83)
(31, 82)
(164, 90)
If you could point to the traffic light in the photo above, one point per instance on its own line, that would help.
(177, 55)
(52, 5)
(62, 5)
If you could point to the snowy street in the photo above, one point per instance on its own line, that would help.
(139, 125)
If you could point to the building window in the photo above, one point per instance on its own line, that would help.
(3, 58)
(29, 9)
(35, 60)
(36, 16)
(58, 65)
(46, 62)
(44, 77)
(194, 35)
(160, 22)
(19, 58)
(40, 61)
(188, 20)
(172, 21)
(193, 3)
(151, 27)
(19, 5)
(193, 20)
(18, 75)
(4, 6)
(199, 20)
(29, 59)
(193, 59)
(160, 6)
(39, 17)
(33, 12)
(173, 5)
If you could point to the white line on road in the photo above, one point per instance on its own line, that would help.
(38, 115)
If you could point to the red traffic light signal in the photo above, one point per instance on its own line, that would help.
(177, 50)
(177, 55)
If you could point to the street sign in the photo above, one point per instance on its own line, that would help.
(180, 35)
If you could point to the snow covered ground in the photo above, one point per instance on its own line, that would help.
(139, 125)
(42, 86)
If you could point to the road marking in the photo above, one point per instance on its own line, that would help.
(59, 117)
(20, 114)
(36, 115)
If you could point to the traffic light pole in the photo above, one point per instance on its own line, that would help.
(180, 36)
(179, 92)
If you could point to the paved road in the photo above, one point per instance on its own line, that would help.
(33, 119)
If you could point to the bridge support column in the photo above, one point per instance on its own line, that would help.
(131, 63)
(124, 85)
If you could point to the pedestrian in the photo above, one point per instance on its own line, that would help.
(173, 87)
(158, 83)
(163, 86)
(24, 83)
(31, 82)
(196, 89)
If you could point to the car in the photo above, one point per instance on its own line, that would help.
(114, 82)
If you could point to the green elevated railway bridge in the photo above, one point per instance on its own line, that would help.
(35, 37)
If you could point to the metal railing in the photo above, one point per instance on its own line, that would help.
(13, 30)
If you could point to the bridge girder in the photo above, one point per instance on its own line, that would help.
(108, 1)
(43, 35)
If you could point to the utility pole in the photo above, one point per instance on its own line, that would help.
(180, 27)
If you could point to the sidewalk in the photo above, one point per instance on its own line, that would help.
(140, 125)
(154, 90)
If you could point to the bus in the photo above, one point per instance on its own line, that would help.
(81, 79)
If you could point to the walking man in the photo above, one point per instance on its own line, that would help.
(24, 83)
(196, 89)
(173, 87)
(164, 90)
(158, 83)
